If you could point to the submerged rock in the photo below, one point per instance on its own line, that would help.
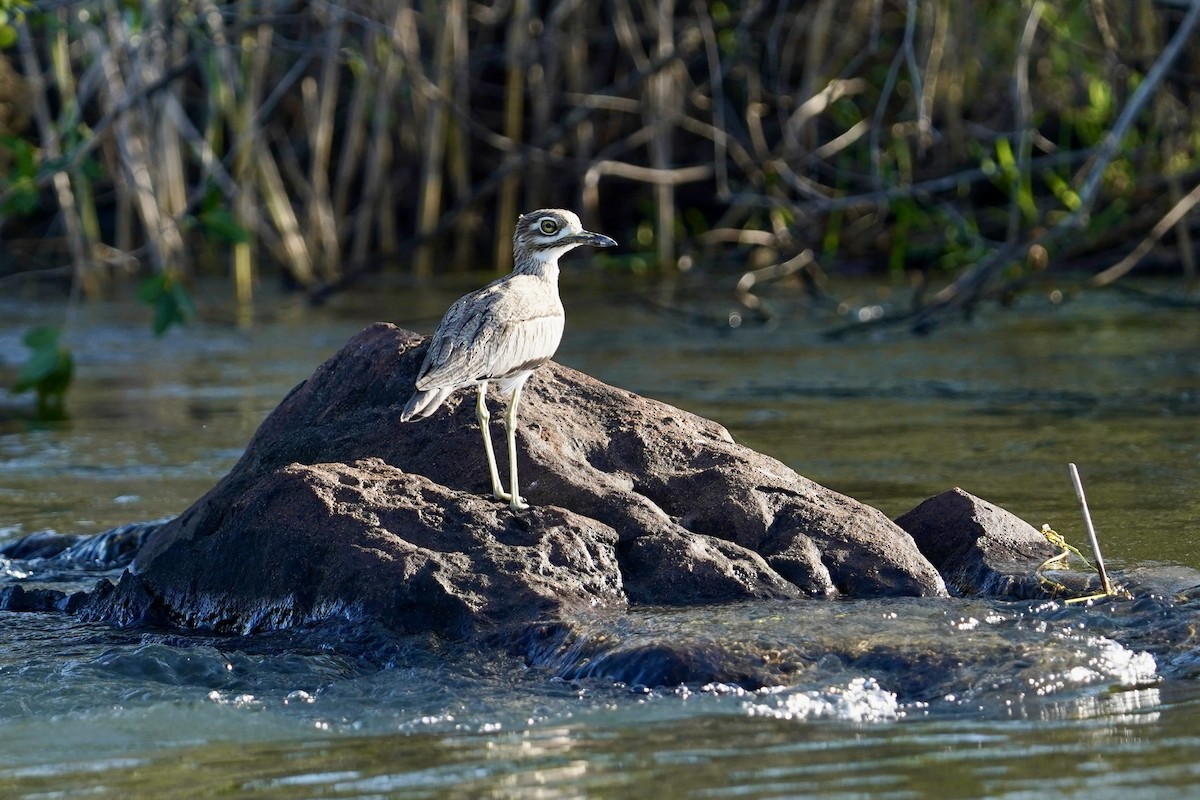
(979, 548)
(17, 598)
(113, 548)
(49, 556)
(582, 649)
(42, 544)
(336, 508)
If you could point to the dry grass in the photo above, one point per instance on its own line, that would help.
(333, 138)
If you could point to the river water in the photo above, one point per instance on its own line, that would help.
(886, 698)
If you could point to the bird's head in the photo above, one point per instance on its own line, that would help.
(546, 234)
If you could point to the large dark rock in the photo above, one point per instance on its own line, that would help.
(309, 542)
(979, 548)
(338, 508)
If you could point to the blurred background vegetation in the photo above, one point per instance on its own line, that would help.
(961, 146)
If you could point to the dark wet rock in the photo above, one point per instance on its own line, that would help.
(979, 548)
(17, 598)
(113, 548)
(715, 653)
(916, 672)
(577, 651)
(126, 603)
(337, 508)
(42, 544)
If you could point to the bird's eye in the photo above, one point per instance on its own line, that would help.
(549, 226)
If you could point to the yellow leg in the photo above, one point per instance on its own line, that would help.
(515, 501)
(481, 413)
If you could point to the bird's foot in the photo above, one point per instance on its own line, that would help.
(515, 503)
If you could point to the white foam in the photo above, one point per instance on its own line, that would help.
(861, 700)
(1115, 660)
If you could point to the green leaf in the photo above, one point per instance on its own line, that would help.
(170, 300)
(183, 301)
(1062, 190)
(165, 315)
(221, 225)
(43, 336)
(23, 152)
(48, 371)
(149, 290)
(1004, 155)
(11, 11)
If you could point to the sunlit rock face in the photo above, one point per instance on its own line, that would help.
(338, 509)
(978, 547)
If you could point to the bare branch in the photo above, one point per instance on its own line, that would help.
(1177, 213)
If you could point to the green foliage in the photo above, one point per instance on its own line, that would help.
(695, 222)
(1062, 190)
(47, 372)
(21, 182)
(1090, 120)
(170, 300)
(929, 235)
(831, 238)
(220, 225)
(11, 11)
(907, 213)
(1012, 174)
(216, 221)
(1060, 562)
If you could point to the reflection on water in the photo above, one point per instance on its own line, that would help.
(898, 699)
(1119, 708)
(710, 756)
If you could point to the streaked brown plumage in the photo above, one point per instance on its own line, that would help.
(503, 332)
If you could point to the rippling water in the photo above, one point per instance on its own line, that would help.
(893, 699)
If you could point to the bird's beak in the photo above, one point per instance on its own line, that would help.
(593, 239)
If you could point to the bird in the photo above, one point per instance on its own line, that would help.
(502, 332)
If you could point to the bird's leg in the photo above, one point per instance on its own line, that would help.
(515, 501)
(481, 413)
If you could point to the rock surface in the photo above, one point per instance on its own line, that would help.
(336, 508)
(979, 548)
(17, 598)
(310, 542)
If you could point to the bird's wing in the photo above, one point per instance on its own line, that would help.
(484, 336)
(448, 361)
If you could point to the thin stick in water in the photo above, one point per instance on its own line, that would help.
(1091, 530)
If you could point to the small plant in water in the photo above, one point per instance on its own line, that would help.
(170, 300)
(1059, 561)
(47, 372)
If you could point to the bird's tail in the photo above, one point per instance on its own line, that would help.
(424, 402)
